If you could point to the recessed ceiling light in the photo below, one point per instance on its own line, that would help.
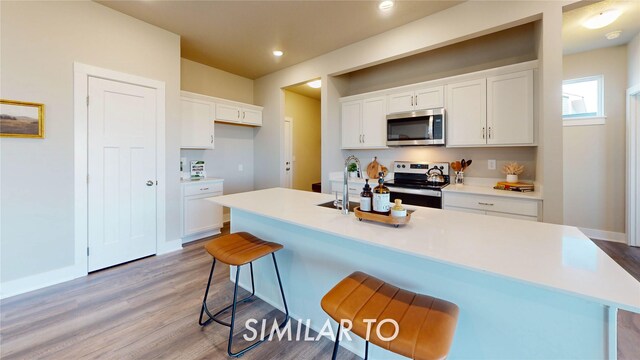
(385, 5)
(315, 84)
(613, 35)
(277, 53)
(602, 19)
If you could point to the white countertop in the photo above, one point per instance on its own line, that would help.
(556, 257)
(207, 180)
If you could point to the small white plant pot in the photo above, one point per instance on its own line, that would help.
(353, 174)
(512, 178)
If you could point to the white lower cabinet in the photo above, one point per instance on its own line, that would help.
(200, 218)
(514, 208)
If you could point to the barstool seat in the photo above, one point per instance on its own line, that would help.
(240, 248)
(426, 324)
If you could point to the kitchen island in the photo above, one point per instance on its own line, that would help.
(525, 289)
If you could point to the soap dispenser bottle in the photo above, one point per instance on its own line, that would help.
(366, 197)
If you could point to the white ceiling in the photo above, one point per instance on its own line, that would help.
(239, 36)
(577, 38)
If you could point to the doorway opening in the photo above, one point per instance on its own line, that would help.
(302, 136)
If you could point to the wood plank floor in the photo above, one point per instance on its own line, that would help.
(148, 309)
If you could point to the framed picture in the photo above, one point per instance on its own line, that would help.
(21, 119)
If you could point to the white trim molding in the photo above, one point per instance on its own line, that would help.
(604, 235)
(633, 159)
(81, 74)
(585, 121)
(38, 281)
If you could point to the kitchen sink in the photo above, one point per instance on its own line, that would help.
(331, 205)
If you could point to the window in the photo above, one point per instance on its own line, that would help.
(582, 101)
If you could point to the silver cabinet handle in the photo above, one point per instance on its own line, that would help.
(416, 100)
(238, 114)
(203, 189)
(411, 100)
(483, 132)
(489, 132)
(484, 203)
(212, 139)
(363, 139)
(243, 114)
(288, 169)
(149, 183)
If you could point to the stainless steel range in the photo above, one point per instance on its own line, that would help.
(419, 183)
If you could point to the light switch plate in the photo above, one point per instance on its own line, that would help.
(492, 164)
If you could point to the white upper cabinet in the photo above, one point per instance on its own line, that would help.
(364, 123)
(426, 98)
(467, 113)
(494, 111)
(510, 109)
(238, 113)
(197, 123)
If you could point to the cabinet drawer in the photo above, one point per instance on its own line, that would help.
(198, 188)
(492, 203)
(336, 186)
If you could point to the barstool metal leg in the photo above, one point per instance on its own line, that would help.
(336, 345)
(204, 300)
(366, 350)
(284, 301)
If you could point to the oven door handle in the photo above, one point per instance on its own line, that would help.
(425, 192)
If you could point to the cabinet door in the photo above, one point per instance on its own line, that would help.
(201, 215)
(374, 122)
(401, 102)
(197, 124)
(351, 118)
(251, 117)
(429, 98)
(510, 108)
(466, 113)
(227, 113)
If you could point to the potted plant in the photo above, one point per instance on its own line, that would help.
(512, 170)
(353, 170)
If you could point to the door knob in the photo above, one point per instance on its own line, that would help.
(149, 183)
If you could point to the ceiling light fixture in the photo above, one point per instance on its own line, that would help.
(602, 19)
(277, 53)
(316, 84)
(385, 5)
(613, 35)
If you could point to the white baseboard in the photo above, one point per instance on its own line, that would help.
(169, 246)
(199, 236)
(38, 281)
(605, 235)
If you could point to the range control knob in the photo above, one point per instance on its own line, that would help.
(403, 166)
(398, 166)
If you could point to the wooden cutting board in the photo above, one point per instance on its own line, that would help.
(374, 168)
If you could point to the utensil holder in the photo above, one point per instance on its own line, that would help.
(460, 177)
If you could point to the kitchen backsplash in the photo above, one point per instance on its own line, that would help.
(480, 156)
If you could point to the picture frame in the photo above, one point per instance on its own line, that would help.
(21, 119)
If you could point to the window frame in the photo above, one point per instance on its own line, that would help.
(600, 117)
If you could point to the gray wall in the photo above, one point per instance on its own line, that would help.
(39, 43)
(634, 61)
(233, 144)
(594, 155)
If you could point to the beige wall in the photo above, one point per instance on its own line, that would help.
(39, 43)
(594, 156)
(305, 113)
(233, 145)
(203, 79)
(502, 48)
(634, 61)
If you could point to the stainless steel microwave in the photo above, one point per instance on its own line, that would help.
(423, 127)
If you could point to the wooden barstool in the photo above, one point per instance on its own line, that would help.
(236, 250)
(426, 324)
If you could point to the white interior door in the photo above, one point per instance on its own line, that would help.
(121, 172)
(288, 153)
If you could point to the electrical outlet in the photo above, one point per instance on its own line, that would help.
(240, 167)
(492, 164)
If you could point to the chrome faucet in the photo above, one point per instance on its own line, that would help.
(345, 188)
